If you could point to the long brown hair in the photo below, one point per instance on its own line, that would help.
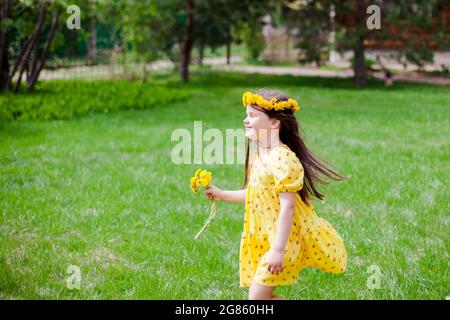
(315, 170)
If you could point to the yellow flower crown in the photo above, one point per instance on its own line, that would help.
(249, 98)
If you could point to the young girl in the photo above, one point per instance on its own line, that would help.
(282, 233)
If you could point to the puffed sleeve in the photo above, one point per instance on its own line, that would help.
(287, 171)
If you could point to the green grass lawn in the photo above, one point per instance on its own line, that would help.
(100, 192)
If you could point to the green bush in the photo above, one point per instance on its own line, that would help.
(254, 41)
(62, 99)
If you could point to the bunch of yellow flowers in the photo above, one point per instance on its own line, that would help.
(202, 178)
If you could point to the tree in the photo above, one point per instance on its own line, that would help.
(416, 26)
(415, 29)
(211, 23)
(29, 38)
(251, 35)
(172, 28)
(187, 40)
(314, 24)
(350, 26)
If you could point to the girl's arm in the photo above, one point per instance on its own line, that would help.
(235, 196)
(276, 253)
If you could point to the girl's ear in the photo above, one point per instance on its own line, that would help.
(275, 124)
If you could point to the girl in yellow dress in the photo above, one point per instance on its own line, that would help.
(282, 232)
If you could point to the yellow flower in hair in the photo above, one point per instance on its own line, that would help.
(245, 97)
(273, 102)
(294, 104)
(259, 100)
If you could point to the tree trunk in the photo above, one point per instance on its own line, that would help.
(35, 73)
(228, 53)
(26, 43)
(4, 62)
(91, 44)
(187, 43)
(145, 72)
(359, 67)
(4, 68)
(228, 47)
(201, 51)
(34, 57)
(73, 43)
(28, 70)
(92, 41)
(31, 44)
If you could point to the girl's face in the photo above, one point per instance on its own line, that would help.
(258, 124)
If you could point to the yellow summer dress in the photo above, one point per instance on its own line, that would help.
(313, 242)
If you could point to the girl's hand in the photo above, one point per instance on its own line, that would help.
(214, 193)
(275, 261)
